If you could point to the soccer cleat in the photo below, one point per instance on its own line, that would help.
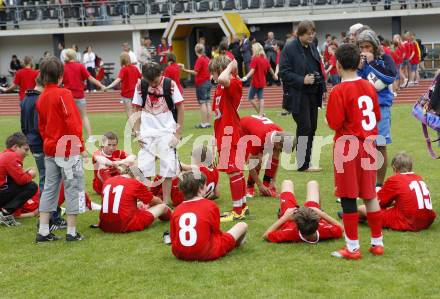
(8, 220)
(246, 211)
(58, 224)
(250, 192)
(232, 216)
(77, 237)
(272, 189)
(49, 238)
(338, 200)
(344, 253)
(167, 238)
(340, 213)
(377, 250)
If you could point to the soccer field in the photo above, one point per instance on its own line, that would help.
(139, 265)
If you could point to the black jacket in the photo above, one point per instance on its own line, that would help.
(292, 73)
(29, 121)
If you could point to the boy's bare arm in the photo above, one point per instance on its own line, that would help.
(225, 77)
(180, 115)
(288, 215)
(327, 217)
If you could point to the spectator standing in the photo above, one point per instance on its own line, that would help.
(414, 62)
(74, 75)
(328, 38)
(269, 49)
(172, 71)
(398, 55)
(303, 87)
(126, 48)
(246, 52)
(24, 78)
(202, 80)
(234, 47)
(422, 58)
(89, 62)
(78, 53)
(2, 14)
(150, 47)
(14, 65)
(208, 50)
(46, 54)
(331, 69)
(162, 50)
(143, 55)
(62, 52)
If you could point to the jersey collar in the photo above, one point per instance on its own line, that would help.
(307, 241)
(351, 80)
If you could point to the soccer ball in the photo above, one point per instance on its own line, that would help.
(377, 83)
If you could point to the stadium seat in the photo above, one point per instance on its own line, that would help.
(293, 3)
(30, 14)
(203, 6)
(255, 4)
(320, 2)
(347, 1)
(52, 13)
(279, 3)
(165, 9)
(154, 8)
(112, 11)
(268, 3)
(137, 9)
(229, 5)
(179, 7)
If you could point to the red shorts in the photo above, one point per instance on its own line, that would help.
(394, 219)
(288, 201)
(140, 221)
(220, 246)
(29, 206)
(231, 159)
(354, 179)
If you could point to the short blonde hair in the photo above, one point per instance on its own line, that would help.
(70, 55)
(199, 48)
(124, 58)
(257, 50)
(219, 64)
(402, 162)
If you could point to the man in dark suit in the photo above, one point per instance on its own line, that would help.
(246, 52)
(303, 88)
(235, 49)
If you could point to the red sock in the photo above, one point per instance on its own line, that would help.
(238, 192)
(287, 201)
(350, 221)
(375, 223)
(166, 216)
(272, 171)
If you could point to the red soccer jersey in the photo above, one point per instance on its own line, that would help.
(332, 62)
(277, 60)
(11, 166)
(202, 68)
(74, 76)
(129, 76)
(25, 78)
(172, 71)
(225, 106)
(289, 232)
(416, 57)
(408, 193)
(119, 202)
(261, 127)
(353, 109)
(397, 55)
(193, 227)
(408, 49)
(386, 50)
(103, 173)
(261, 67)
(230, 55)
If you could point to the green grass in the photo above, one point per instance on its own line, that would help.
(139, 265)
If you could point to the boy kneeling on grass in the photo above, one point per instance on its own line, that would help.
(195, 224)
(307, 224)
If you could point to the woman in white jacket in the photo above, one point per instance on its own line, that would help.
(89, 62)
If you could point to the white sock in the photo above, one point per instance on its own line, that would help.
(71, 230)
(352, 245)
(377, 241)
(43, 229)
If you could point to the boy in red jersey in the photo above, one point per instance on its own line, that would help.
(24, 78)
(353, 112)
(308, 224)
(203, 85)
(172, 71)
(120, 212)
(260, 66)
(227, 132)
(60, 127)
(266, 137)
(128, 76)
(202, 163)
(107, 159)
(195, 227)
(404, 198)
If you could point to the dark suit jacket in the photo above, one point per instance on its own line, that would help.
(246, 50)
(292, 73)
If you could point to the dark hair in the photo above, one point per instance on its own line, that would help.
(223, 47)
(109, 136)
(307, 220)
(171, 57)
(327, 35)
(348, 56)
(190, 184)
(51, 69)
(151, 70)
(280, 44)
(16, 139)
(14, 56)
(38, 81)
(305, 26)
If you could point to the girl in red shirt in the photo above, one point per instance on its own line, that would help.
(74, 76)
(129, 76)
(24, 78)
(331, 70)
(163, 49)
(259, 68)
(172, 71)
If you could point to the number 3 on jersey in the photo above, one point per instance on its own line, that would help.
(367, 112)
(187, 233)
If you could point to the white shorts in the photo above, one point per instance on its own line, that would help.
(158, 147)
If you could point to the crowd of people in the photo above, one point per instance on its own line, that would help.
(134, 195)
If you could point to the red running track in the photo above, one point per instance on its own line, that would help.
(100, 102)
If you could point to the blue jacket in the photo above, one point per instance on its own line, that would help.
(383, 68)
(29, 121)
